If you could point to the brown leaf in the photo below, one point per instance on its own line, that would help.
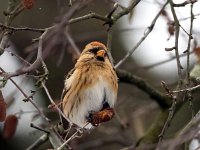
(2, 108)
(10, 127)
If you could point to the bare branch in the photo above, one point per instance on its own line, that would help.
(189, 43)
(29, 99)
(184, 3)
(14, 29)
(43, 139)
(170, 115)
(149, 29)
(125, 11)
(177, 28)
(187, 89)
(162, 62)
(162, 100)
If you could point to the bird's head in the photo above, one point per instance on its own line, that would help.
(95, 51)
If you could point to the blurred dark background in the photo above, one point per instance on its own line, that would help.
(135, 109)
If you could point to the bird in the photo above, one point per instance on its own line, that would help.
(90, 88)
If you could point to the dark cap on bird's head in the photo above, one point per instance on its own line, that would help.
(96, 44)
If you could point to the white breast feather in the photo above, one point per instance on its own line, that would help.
(94, 97)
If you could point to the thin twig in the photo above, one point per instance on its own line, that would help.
(170, 115)
(177, 29)
(38, 142)
(89, 16)
(15, 29)
(161, 62)
(68, 140)
(71, 137)
(185, 18)
(189, 43)
(52, 101)
(33, 66)
(148, 30)
(11, 12)
(183, 4)
(126, 11)
(187, 133)
(109, 39)
(187, 89)
(72, 43)
(29, 99)
(38, 128)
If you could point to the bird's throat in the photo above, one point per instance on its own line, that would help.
(100, 58)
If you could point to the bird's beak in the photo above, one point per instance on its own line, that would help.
(100, 53)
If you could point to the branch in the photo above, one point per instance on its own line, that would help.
(183, 4)
(43, 139)
(149, 29)
(33, 67)
(127, 77)
(14, 29)
(162, 62)
(55, 105)
(12, 11)
(189, 43)
(177, 29)
(29, 99)
(73, 44)
(125, 11)
(187, 133)
(187, 89)
(152, 134)
(55, 139)
(170, 115)
(73, 136)
(89, 16)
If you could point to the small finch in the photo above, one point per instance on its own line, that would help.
(90, 89)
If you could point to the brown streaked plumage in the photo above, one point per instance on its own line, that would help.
(90, 90)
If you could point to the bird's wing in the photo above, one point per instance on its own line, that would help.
(64, 122)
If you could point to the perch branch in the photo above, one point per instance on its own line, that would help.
(127, 77)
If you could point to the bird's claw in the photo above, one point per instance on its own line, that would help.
(95, 118)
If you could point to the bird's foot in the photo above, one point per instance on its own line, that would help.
(95, 118)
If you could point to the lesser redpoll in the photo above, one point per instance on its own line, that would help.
(90, 89)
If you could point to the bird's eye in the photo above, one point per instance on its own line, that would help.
(94, 50)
